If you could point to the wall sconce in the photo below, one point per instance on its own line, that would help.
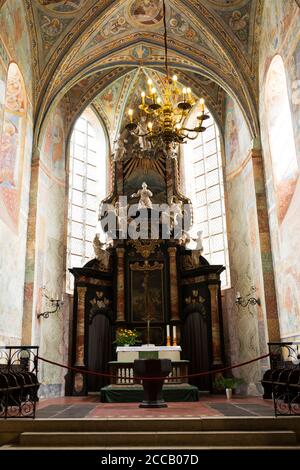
(249, 299)
(53, 304)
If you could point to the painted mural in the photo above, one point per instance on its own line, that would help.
(16, 134)
(246, 336)
(14, 35)
(50, 246)
(238, 139)
(146, 12)
(281, 137)
(63, 6)
(53, 153)
(279, 23)
(2, 93)
(12, 147)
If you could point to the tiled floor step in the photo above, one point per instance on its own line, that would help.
(148, 439)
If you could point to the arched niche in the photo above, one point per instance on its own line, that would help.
(12, 147)
(281, 137)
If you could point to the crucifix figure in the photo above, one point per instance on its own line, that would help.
(148, 316)
(149, 295)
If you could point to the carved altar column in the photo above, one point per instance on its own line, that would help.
(215, 324)
(80, 327)
(173, 284)
(120, 285)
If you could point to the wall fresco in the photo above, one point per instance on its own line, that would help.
(238, 139)
(281, 35)
(50, 223)
(16, 133)
(247, 336)
(12, 147)
(53, 154)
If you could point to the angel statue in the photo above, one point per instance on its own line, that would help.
(176, 209)
(198, 240)
(120, 146)
(144, 194)
(100, 253)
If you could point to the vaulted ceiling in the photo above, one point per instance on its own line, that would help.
(100, 51)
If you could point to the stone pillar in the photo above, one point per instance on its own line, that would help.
(80, 327)
(215, 324)
(120, 285)
(265, 248)
(31, 290)
(173, 284)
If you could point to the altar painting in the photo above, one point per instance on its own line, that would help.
(147, 294)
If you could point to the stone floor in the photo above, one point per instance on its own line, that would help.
(208, 405)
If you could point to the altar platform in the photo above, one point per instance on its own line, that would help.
(125, 388)
(209, 406)
(134, 393)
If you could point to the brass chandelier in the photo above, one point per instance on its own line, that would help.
(165, 117)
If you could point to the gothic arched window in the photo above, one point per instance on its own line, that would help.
(204, 186)
(87, 187)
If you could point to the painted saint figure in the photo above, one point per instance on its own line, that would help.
(144, 194)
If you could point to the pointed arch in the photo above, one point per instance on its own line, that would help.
(281, 136)
(87, 187)
(203, 177)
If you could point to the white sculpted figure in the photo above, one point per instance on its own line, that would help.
(176, 209)
(144, 194)
(100, 252)
(198, 240)
(143, 131)
(120, 148)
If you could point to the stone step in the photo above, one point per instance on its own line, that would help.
(17, 426)
(157, 439)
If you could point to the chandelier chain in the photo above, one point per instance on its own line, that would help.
(166, 115)
(165, 40)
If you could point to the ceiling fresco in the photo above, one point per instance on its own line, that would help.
(211, 43)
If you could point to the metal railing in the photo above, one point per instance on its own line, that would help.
(18, 381)
(282, 381)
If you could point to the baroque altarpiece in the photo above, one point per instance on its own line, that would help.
(152, 279)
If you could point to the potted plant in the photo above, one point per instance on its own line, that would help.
(227, 383)
(125, 337)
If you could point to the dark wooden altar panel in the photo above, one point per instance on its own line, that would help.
(92, 337)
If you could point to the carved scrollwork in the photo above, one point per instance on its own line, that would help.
(145, 247)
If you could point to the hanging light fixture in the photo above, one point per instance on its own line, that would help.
(165, 117)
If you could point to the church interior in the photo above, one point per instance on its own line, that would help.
(149, 211)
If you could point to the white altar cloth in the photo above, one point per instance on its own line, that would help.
(130, 353)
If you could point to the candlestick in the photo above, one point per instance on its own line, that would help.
(174, 336)
(168, 341)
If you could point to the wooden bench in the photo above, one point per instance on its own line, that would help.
(17, 388)
(282, 382)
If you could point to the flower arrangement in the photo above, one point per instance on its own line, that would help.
(227, 382)
(127, 337)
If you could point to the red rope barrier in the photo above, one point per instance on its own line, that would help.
(198, 374)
